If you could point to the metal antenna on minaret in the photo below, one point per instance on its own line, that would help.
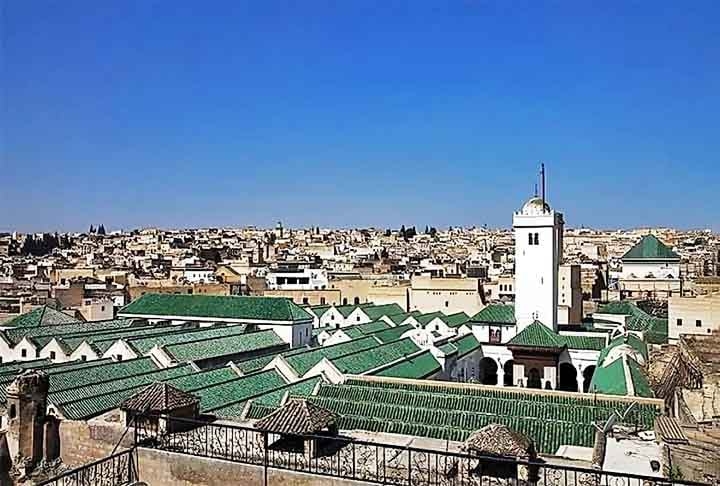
(542, 183)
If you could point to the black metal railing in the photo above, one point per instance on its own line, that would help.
(114, 470)
(348, 458)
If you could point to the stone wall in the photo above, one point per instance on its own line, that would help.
(83, 442)
(160, 468)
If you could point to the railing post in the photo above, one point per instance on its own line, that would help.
(409, 481)
(265, 462)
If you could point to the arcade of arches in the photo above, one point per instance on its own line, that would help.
(568, 378)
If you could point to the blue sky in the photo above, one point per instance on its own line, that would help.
(174, 113)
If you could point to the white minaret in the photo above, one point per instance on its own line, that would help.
(538, 254)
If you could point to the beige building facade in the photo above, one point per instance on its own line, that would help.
(693, 315)
(449, 295)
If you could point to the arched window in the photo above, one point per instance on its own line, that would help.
(530, 239)
(537, 239)
(13, 413)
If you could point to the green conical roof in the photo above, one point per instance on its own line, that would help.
(650, 248)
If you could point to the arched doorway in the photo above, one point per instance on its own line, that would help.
(568, 378)
(508, 375)
(533, 379)
(587, 377)
(488, 371)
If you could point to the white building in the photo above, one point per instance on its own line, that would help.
(301, 279)
(538, 254)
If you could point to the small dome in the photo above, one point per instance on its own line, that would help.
(535, 206)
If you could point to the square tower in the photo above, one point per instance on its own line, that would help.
(538, 254)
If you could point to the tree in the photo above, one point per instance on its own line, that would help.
(427, 230)
(433, 231)
(388, 232)
(101, 230)
(92, 229)
(402, 231)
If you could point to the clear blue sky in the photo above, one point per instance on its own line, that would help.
(175, 113)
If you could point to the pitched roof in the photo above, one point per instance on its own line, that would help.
(298, 416)
(624, 376)
(650, 248)
(159, 398)
(496, 313)
(377, 311)
(363, 361)
(392, 333)
(465, 344)
(302, 360)
(537, 335)
(426, 318)
(217, 307)
(590, 343)
(423, 365)
(457, 319)
(40, 316)
(224, 346)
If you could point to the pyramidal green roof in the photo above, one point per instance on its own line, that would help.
(496, 313)
(40, 316)
(537, 335)
(217, 306)
(650, 248)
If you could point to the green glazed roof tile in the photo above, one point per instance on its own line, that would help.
(225, 346)
(363, 361)
(417, 367)
(496, 313)
(217, 307)
(537, 335)
(650, 248)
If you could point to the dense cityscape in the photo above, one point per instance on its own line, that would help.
(455, 243)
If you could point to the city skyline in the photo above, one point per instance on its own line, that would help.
(351, 116)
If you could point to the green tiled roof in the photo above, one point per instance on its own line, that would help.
(135, 382)
(302, 360)
(255, 364)
(650, 248)
(448, 348)
(14, 367)
(40, 316)
(225, 346)
(654, 328)
(221, 395)
(365, 329)
(377, 311)
(145, 343)
(424, 319)
(612, 379)
(302, 388)
(363, 361)
(418, 367)
(456, 320)
(451, 412)
(203, 378)
(465, 344)
(317, 310)
(43, 334)
(346, 310)
(397, 319)
(100, 372)
(217, 307)
(537, 335)
(590, 343)
(103, 341)
(496, 313)
(392, 333)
